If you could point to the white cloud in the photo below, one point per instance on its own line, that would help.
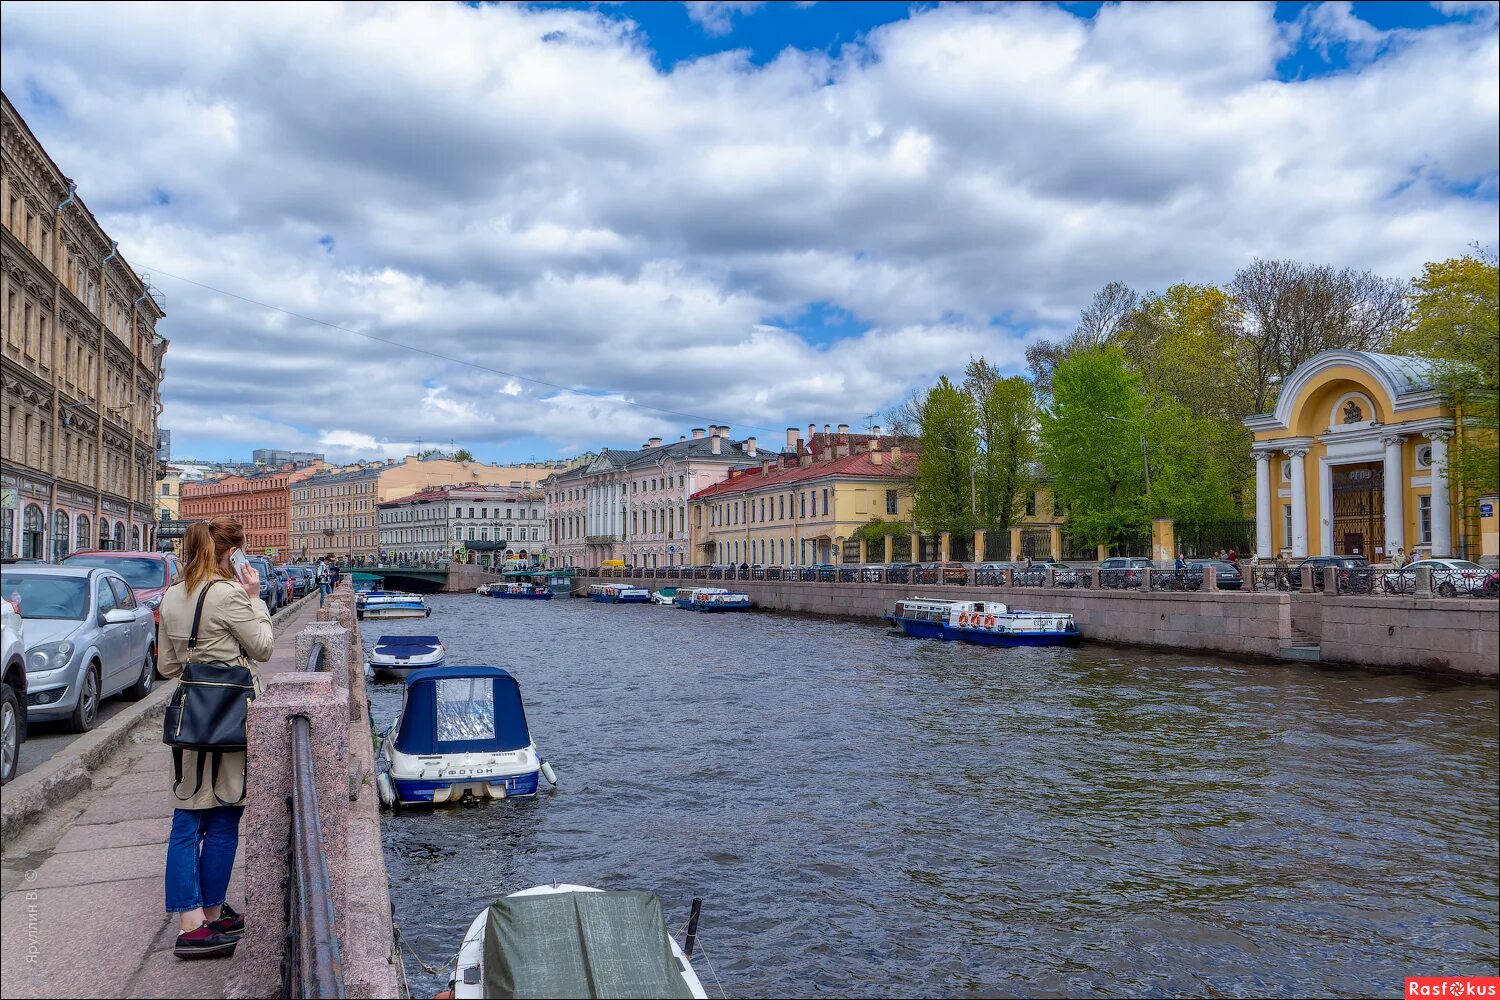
(524, 190)
(716, 17)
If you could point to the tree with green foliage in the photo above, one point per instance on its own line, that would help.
(1006, 415)
(463, 455)
(945, 496)
(1104, 433)
(1455, 307)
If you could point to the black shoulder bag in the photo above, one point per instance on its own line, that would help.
(207, 711)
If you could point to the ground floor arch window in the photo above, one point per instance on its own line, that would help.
(135, 538)
(81, 532)
(104, 532)
(119, 534)
(60, 535)
(33, 533)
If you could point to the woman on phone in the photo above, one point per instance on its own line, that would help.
(209, 794)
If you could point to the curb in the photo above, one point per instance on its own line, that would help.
(71, 770)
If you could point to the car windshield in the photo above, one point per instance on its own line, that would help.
(1464, 564)
(144, 574)
(46, 596)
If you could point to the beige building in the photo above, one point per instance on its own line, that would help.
(82, 368)
(335, 513)
(800, 507)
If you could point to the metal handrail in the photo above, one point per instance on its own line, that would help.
(312, 966)
(315, 659)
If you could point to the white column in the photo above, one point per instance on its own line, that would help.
(1263, 505)
(1442, 507)
(1299, 502)
(1395, 493)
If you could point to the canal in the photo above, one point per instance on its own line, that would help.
(872, 815)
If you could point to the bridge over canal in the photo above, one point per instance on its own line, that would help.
(455, 578)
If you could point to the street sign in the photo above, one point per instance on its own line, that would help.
(1486, 510)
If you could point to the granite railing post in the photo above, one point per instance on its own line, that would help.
(1330, 581)
(1307, 579)
(1210, 579)
(1424, 580)
(335, 642)
(1094, 578)
(267, 821)
(1049, 578)
(1247, 577)
(339, 609)
(1146, 573)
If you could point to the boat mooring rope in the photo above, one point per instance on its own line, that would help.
(431, 970)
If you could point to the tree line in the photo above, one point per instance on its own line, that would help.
(1138, 412)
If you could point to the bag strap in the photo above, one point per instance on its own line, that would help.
(198, 618)
(198, 778)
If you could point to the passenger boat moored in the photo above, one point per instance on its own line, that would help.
(520, 591)
(461, 734)
(985, 623)
(595, 943)
(618, 593)
(666, 596)
(383, 604)
(720, 600)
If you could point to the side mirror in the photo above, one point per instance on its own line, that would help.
(119, 616)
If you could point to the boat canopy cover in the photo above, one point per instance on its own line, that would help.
(580, 944)
(430, 641)
(462, 710)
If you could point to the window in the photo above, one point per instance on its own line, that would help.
(1424, 520)
(104, 594)
(890, 501)
(1031, 505)
(59, 536)
(1286, 524)
(124, 596)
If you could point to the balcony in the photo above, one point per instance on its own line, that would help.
(603, 539)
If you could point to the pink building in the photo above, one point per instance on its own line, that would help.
(632, 505)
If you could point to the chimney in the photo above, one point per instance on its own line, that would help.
(827, 429)
(873, 445)
(895, 454)
(681, 438)
(697, 433)
(826, 455)
(843, 428)
(876, 456)
(715, 444)
(654, 443)
(791, 438)
(724, 431)
(875, 430)
(812, 432)
(750, 446)
(765, 467)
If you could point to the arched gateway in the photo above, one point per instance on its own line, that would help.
(1352, 460)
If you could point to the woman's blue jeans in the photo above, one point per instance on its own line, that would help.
(200, 855)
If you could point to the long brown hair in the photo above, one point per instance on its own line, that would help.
(206, 548)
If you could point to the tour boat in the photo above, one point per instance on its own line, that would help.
(384, 604)
(461, 734)
(618, 593)
(665, 596)
(720, 600)
(985, 623)
(575, 941)
(520, 591)
(685, 595)
(397, 653)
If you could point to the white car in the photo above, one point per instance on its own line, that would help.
(1450, 578)
(12, 692)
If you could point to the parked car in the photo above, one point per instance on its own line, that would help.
(1122, 572)
(1450, 578)
(1036, 574)
(283, 585)
(302, 579)
(268, 591)
(1226, 574)
(12, 692)
(148, 573)
(1353, 573)
(87, 638)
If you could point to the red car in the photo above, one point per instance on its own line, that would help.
(148, 573)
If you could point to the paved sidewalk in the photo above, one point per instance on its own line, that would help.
(81, 914)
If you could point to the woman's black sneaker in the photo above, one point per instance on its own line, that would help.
(230, 924)
(205, 942)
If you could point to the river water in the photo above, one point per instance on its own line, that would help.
(866, 814)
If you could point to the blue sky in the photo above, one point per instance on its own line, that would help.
(636, 218)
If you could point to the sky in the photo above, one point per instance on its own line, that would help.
(566, 226)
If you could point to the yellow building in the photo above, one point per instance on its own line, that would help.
(168, 492)
(1352, 461)
(799, 507)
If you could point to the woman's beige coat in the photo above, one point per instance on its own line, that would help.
(231, 620)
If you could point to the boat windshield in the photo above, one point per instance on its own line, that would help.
(465, 709)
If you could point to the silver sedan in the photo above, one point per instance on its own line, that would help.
(87, 638)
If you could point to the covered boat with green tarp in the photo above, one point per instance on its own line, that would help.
(574, 941)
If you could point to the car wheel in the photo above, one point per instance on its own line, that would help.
(146, 681)
(87, 711)
(1447, 590)
(10, 733)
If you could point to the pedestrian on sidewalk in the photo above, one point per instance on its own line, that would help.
(325, 584)
(234, 626)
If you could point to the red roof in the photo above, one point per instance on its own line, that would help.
(858, 466)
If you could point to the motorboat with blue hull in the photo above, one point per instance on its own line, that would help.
(984, 623)
(618, 593)
(400, 654)
(720, 600)
(519, 592)
(461, 735)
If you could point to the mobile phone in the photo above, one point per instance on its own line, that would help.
(239, 562)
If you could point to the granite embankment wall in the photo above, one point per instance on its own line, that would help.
(1436, 635)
